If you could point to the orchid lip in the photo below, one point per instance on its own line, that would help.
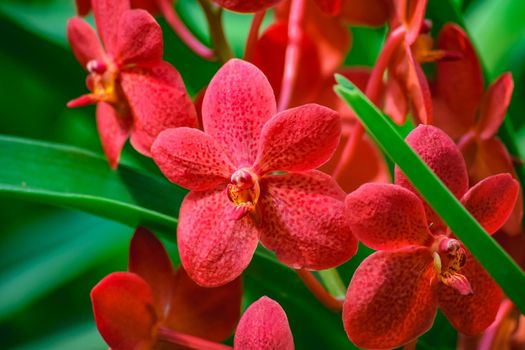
(243, 191)
(449, 259)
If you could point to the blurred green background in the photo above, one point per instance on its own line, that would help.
(50, 258)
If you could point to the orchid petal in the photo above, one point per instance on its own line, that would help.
(494, 106)
(395, 100)
(107, 16)
(331, 37)
(366, 165)
(491, 157)
(303, 220)
(387, 217)
(84, 41)
(191, 158)
(214, 249)
(264, 326)
(330, 7)
(158, 100)
(124, 311)
(149, 260)
(390, 299)
(459, 82)
(139, 38)
(440, 153)
(492, 200)
(269, 54)
(365, 12)
(113, 130)
(298, 139)
(471, 314)
(83, 7)
(209, 313)
(238, 101)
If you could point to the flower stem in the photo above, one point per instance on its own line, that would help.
(319, 292)
(373, 90)
(253, 35)
(291, 58)
(333, 283)
(183, 32)
(188, 341)
(218, 38)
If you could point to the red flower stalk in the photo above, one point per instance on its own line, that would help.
(473, 116)
(136, 92)
(394, 294)
(152, 305)
(250, 178)
(263, 326)
(246, 6)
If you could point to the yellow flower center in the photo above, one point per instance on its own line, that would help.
(243, 191)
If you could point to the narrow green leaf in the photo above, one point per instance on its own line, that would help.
(494, 259)
(88, 241)
(70, 177)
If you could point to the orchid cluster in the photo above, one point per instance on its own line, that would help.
(270, 155)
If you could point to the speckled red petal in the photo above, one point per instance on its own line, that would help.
(494, 106)
(158, 100)
(149, 260)
(387, 217)
(491, 157)
(209, 313)
(264, 326)
(124, 311)
(107, 16)
(246, 6)
(84, 41)
(113, 130)
(139, 38)
(459, 82)
(237, 103)
(443, 157)
(471, 314)
(191, 159)
(492, 200)
(390, 300)
(303, 220)
(214, 249)
(298, 139)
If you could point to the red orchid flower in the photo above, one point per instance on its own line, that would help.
(246, 6)
(394, 294)
(406, 88)
(154, 306)
(250, 178)
(136, 92)
(263, 326)
(472, 116)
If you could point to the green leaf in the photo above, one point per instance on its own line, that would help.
(86, 241)
(70, 177)
(494, 259)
